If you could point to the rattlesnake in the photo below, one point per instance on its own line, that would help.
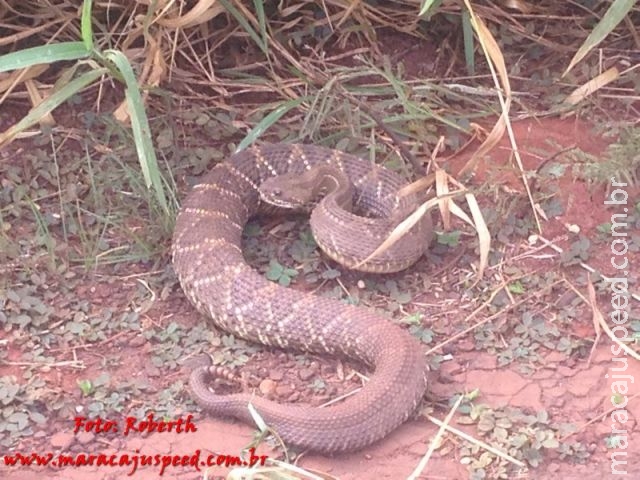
(217, 280)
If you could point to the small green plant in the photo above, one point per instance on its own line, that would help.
(523, 436)
(620, 161)
(281, 274)
(450, 239)
(108, 62)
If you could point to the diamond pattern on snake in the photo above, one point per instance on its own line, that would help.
(217, 280)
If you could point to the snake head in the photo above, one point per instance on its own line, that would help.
(286, 191)
(303, 191)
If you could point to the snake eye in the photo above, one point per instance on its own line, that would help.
(276, 192)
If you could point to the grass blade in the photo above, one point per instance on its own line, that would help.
(467, 35)
(268, 121)
(615, 14)
(241, 19)
(86, 29)
(43, 54)
(592, 86)
(140, 127)
(49, 104)
(429, 6)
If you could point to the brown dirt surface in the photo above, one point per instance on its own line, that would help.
(572, 389)
(532, 378)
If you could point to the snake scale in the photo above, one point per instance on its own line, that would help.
(215, 277)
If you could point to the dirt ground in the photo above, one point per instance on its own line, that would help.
(571, 388)
(541, 371)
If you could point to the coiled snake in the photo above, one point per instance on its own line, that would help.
(215, 277)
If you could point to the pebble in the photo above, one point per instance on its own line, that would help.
(267, 387)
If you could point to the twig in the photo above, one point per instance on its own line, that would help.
(435, 441)
(477, 442)
(66, 363)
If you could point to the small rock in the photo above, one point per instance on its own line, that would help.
(85, 437)
(306, 373)
(267, 387)
(284, 391)
(276, 375)
(61, 440)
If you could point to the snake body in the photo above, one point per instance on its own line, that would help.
(217, 280)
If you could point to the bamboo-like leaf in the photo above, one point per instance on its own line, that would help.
(43, 54)
(592, 86)
(484, 237)
(493, 52)
(49, 104)
(268, 121)
(86, 29)
(10, 80)
(469, 47)
(614, 15)
(442, 189)
(257, 418)
(262, 20)
(429, 6)
(201, 12)
(140, 127)
(36, 99)
(400, 230)
(247, 27)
